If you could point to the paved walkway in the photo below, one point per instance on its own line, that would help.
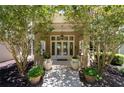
(61, 76)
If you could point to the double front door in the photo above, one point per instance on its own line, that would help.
(62, 47)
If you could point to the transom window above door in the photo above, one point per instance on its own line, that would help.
(64, 37)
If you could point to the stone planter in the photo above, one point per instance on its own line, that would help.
(48, 64)
(35, 80)
(75, 64)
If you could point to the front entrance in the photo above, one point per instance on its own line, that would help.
(62, 47)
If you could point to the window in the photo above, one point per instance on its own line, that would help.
(71, 38)
(62, 46)
(65, 48)
(65, 38)
(59, 48)
(53, 38)
(58, 38)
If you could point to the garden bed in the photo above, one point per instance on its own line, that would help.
(111, 78)
(9, 77)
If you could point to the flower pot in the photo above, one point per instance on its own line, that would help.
(35, 80)
(75, 64)
(48, 64)
(90, 79)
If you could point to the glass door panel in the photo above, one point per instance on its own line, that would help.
(59, 47)
(53, 48)
(71, 48)
(65, 48)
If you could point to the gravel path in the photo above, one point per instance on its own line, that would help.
(61, 76)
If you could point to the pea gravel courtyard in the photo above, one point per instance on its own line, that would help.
(64, 76)
(61, 76)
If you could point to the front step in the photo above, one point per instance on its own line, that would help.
(65, 63)
(62, 59)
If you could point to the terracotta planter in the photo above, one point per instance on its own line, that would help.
(35, 80)
(90, 79)
(75, 64)
(48, 64)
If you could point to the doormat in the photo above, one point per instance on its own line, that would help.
(62, 59)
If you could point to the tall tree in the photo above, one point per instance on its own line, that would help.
(101, 26)
(15, 25)
(106, 33)
(13, 33)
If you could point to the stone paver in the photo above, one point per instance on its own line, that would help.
(61, 76)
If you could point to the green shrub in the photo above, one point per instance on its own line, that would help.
(36, 71)
(118, 60)
(122, 70)
(46, 55)
(90, 71)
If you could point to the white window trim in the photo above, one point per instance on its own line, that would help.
(68, 41)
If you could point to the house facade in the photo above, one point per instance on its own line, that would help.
(63, 41)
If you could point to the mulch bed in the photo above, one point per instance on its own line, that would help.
(111, 78)
(9, 77)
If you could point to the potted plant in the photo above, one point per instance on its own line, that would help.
(47, 62)
(35, 74)
(90, 74)
(75, 62)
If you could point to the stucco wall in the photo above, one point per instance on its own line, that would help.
(4, 54)
(121, 50)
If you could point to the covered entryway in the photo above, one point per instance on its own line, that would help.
(62, 46)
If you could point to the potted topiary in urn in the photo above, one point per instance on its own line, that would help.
(35, 74)
(75, 62)
(47, 61)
